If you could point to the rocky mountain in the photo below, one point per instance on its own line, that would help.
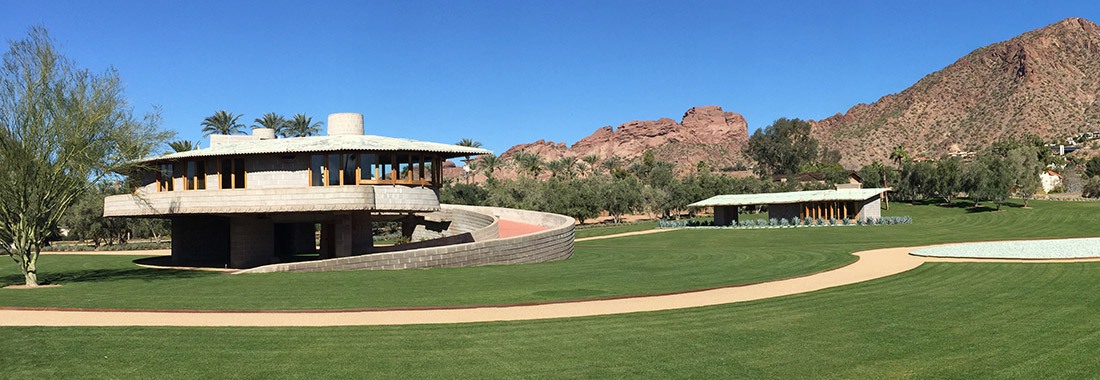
(703, 134)
(1043, 82)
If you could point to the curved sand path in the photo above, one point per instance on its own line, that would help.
(871, 264)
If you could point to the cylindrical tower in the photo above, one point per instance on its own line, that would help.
(345, 124)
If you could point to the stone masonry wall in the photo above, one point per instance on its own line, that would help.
(555, 243)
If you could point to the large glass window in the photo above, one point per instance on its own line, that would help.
(238, 173)
(366, 167)
(195, 177)
(232, 173)
(317, 170)
(350, 169)
(165, 178)
(226, 174)
(332, 170)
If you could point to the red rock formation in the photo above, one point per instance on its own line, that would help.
(704, 134)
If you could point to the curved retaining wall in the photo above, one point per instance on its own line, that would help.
(554, 243)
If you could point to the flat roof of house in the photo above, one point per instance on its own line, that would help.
(323, 144)
(789, 197)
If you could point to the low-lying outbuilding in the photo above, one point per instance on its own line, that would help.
(839, 204)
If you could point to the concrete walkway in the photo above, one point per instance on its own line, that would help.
(871, 264)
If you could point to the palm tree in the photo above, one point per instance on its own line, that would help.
(222, 123)
(530, 163)
(469, 142)
(183, 145)
(899, 154)
(271, 120)
(490, 163)
(556, 168)
(301, 126)
(612, 164)
(569, 166)
(591, 159)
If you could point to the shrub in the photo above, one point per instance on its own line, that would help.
(846, 221)
(832, 221)
(784, 222)
(773, 222)
(821, 221)
(809, 221)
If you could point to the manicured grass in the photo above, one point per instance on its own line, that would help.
(664, 262)
(943, 320)
(585, 231)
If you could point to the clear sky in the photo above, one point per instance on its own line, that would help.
(515, 71)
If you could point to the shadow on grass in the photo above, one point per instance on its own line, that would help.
(104, 275)
(969, 205)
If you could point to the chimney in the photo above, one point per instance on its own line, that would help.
(340, 124)
(263, 133)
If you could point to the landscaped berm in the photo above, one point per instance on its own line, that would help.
(934, 317)
(254, 201)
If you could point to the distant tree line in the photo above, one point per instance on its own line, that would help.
(584, 188)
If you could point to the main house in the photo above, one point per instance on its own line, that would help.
(247, 200)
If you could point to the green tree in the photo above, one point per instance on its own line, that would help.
(1025, 167)
(530, 163)
(300, 125)
(899, 155)
(619, 196)
(591, 160)
(469, 143)
(782, 147)
(948, 176)
(183, 145)
(557, 169)
(1092, 167)
(271, 120)
(62, 129)
(222, 123)
(489, 163)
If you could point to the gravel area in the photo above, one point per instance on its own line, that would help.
(1022, 249)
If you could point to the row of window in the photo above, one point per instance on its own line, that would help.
(324, 170)
(192, 174)
(374, 168)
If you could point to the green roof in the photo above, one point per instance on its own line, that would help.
(324, 144)
(790, 197)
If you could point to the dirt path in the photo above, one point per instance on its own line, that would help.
(872, 264)
(142, 252)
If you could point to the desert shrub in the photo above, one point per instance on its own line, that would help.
(773, 222)
(832, 221)
(761, 223)
(821, 221)
(809, 221)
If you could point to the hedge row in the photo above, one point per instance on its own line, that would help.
(793, 222)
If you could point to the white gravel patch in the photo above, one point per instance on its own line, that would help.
(1021, 249)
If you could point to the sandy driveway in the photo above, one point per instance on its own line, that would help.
(872, 264)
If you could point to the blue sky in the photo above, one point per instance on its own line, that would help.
(510, 72)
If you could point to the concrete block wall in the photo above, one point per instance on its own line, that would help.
(479, 226)
(247, 201)
(871, 208)
(271, 171)
(252, 241)
(554, 243)
(780, 211)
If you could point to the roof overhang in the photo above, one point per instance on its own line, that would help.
(317, 144)
(790, 197)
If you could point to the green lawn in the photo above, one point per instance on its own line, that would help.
(611, 229)
(961, 321)
(670, 261)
